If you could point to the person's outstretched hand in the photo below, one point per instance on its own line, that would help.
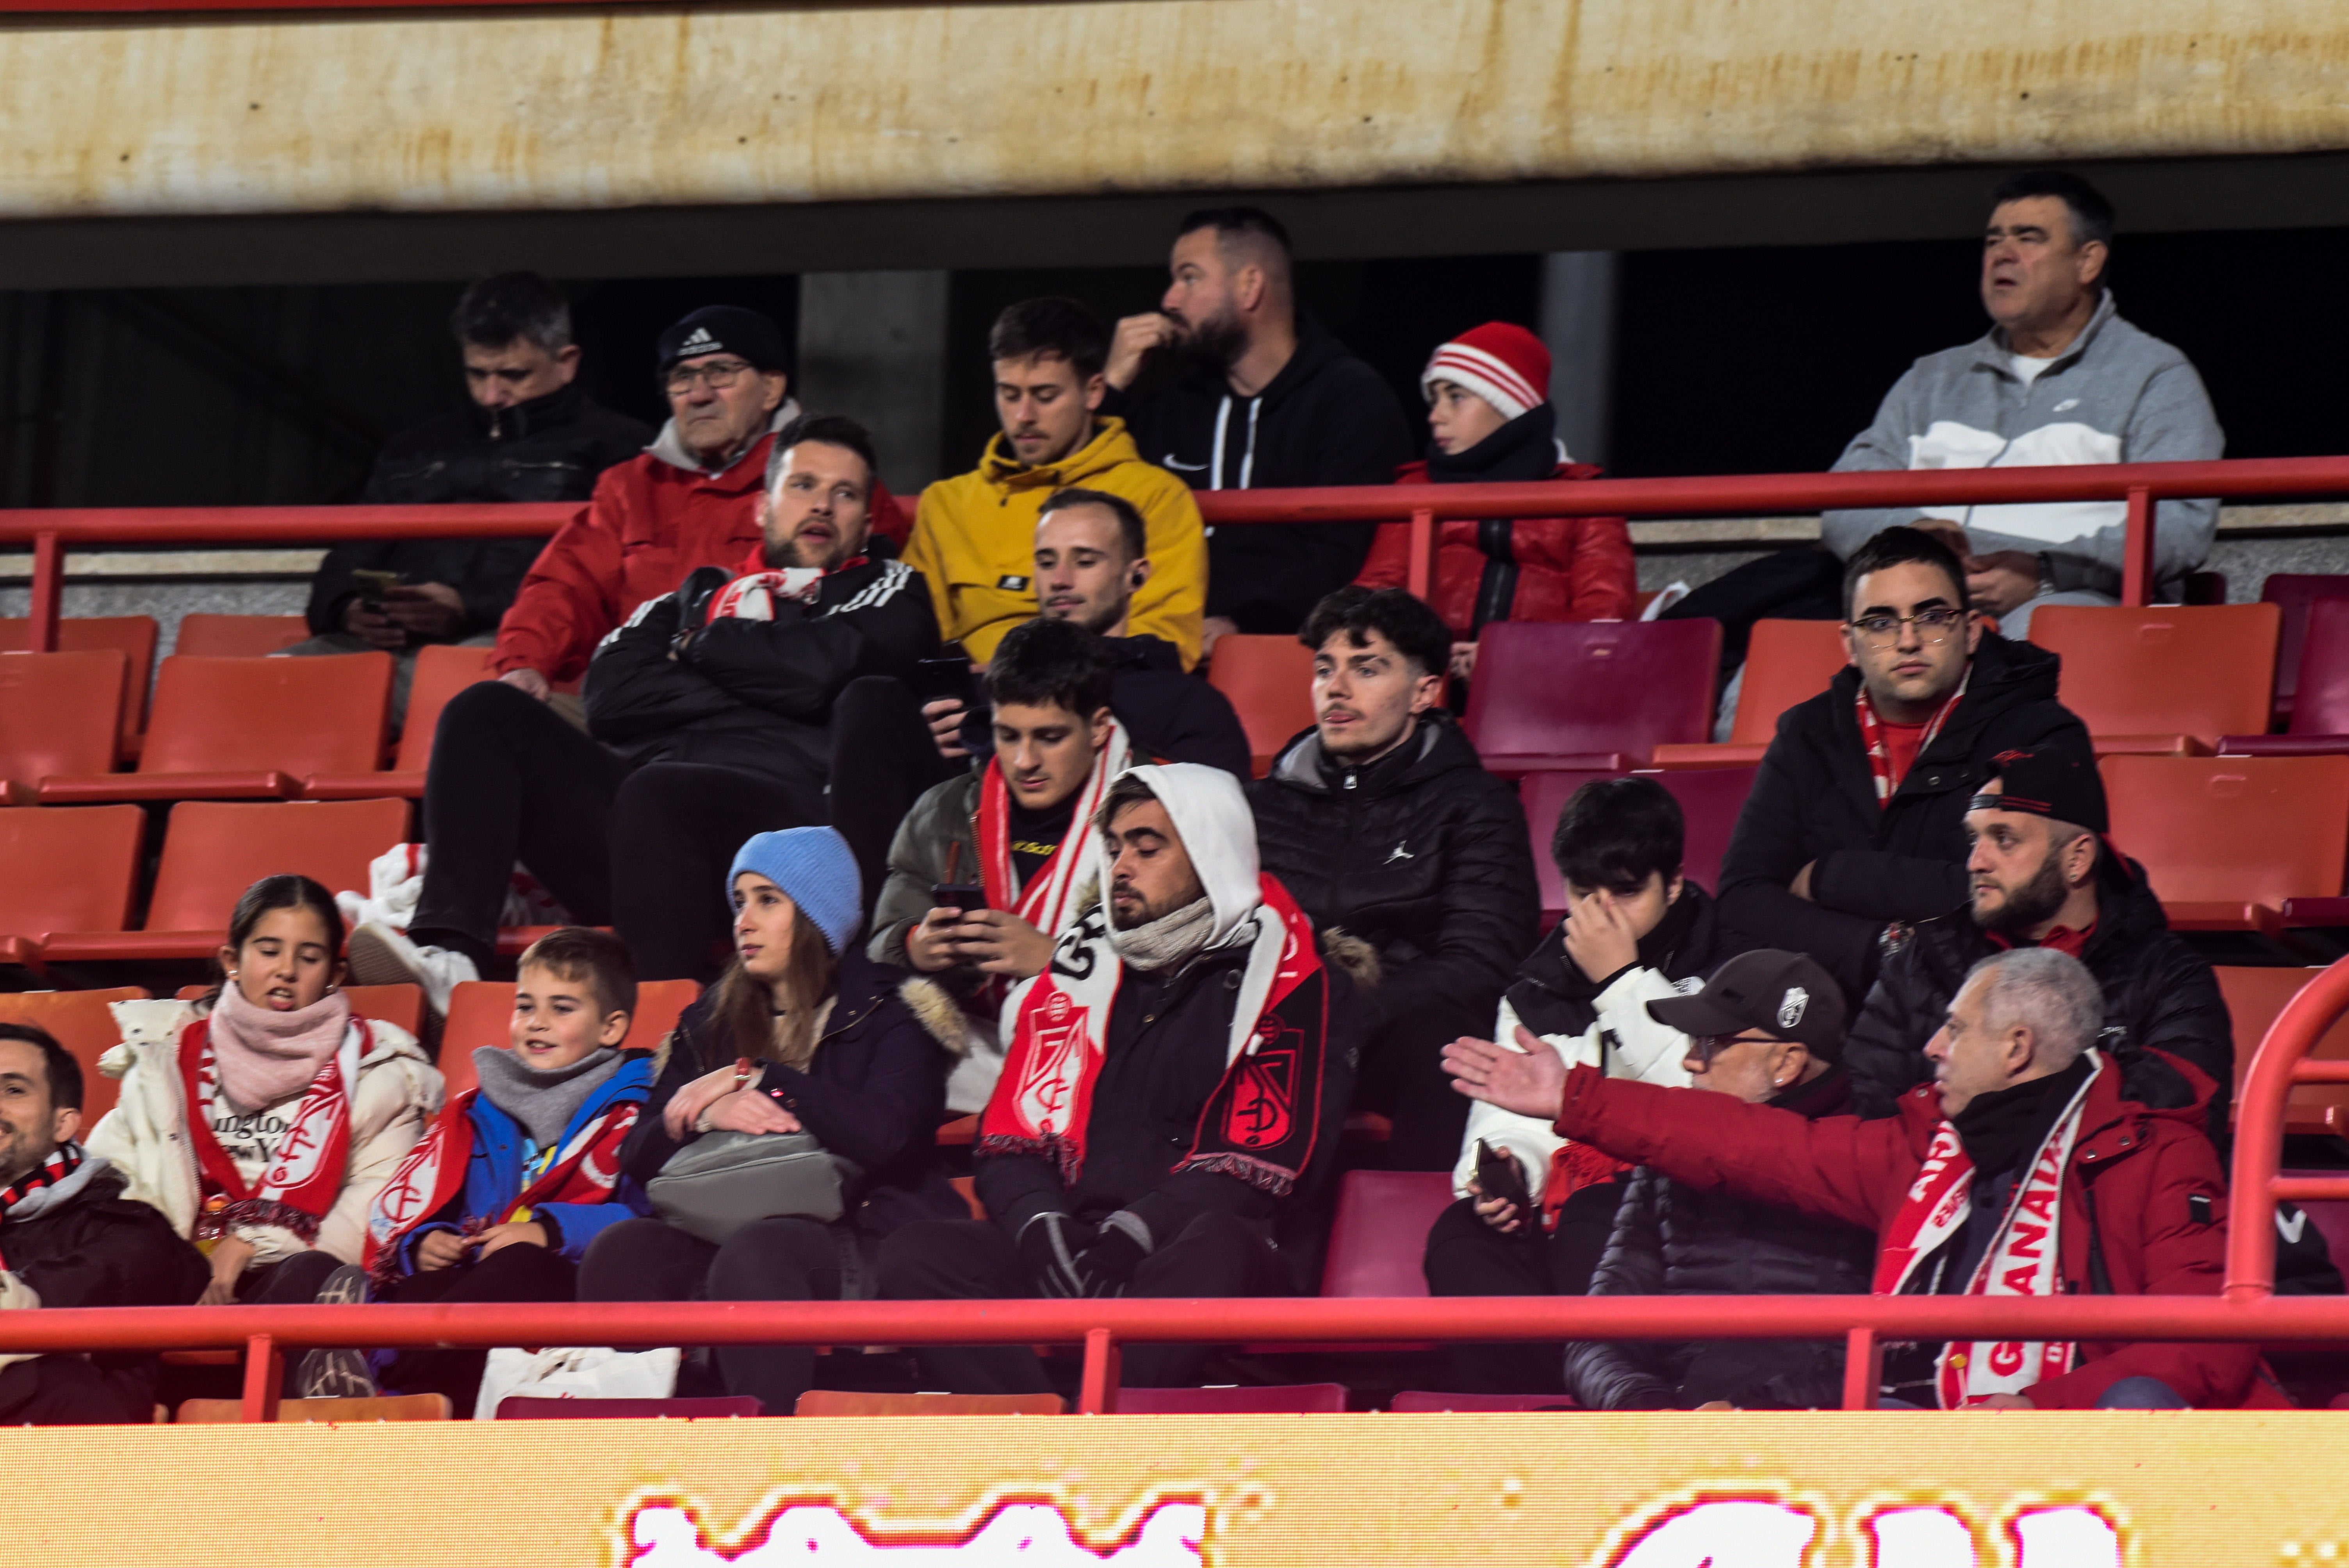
(531, 681)
(1530, 1080)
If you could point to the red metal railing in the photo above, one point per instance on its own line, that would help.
(2139, 485)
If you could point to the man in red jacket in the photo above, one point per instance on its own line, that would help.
(692, 499)
(1963, 1186)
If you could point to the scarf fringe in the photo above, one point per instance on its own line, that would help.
(1260, 1174)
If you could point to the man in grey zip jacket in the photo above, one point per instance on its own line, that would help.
(2059, 378)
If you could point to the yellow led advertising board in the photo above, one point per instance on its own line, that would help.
(1564, 1489)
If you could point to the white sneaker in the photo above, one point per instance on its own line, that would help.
(379, 955)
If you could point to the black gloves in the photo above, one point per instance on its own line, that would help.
(1109, 1260)
(1050, 1263)
(1102, 1264)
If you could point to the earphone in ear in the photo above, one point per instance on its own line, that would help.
(1133, 579)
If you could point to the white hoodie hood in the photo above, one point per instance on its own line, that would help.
(1217, 829)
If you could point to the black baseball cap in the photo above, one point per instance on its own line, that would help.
(2056, 778)
(1785, 995)
(722, 329)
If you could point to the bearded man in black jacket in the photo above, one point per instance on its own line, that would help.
(2042, 877)
(1856, 828)
(1382, 821)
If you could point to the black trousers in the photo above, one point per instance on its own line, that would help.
(1215, 1254)
(511, 780)
(68, 1391)
(1403, 1079)
(769, 1260)
(520, 1272)
(883, 758)
(291, 1282)
(1465, 1256)
(675, 828)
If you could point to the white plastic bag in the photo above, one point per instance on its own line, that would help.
(395, 881)
(575, 1372)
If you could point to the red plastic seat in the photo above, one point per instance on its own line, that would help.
(1271, 1399)
(86, 1029)
(442, 670)
(481, 1013)
(2234, 843)
(2254, 997)
(2297, 595)
(1381, 1232)
(66, 870)
(522, 1408)
(1269, 683)
(1786, 663)
(248, 729)
(1545, 795)
(213, 850)
(1424, 1401)
(1710, 800)
(2140, 679)
(211, 636)
(133, 636)
(1593, 694)
(59, 714)
(2320, 717)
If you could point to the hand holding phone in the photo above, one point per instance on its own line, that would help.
(1500, 1179)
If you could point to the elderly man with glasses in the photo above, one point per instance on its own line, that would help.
(690, 500)
(1856, 828)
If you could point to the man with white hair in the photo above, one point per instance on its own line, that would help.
(1963, 1186)
(1175, 1077)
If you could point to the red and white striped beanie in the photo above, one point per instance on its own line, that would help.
(1500, 362)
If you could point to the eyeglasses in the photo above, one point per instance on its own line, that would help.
(1932, 627)
(1704, 1047)
(716, 378)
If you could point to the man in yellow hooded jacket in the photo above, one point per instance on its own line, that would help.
(974, 539)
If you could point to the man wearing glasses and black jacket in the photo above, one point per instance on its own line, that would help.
(1856, 826)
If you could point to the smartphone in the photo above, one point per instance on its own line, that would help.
(1498, 1175)
(944, 679)
(967, 897)
(374, 583)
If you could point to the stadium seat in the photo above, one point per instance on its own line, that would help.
(66, 870)
(249, 729)
(2254, 997)
(294, 1412)
(2296, 594)
(1545, 795)
(1381, 1232)
(1710, 800)
(442, 670)
(134, 636)
(2235, 843)
(1270, 682)
(1787, 662)
(522, 1407)
(2320, 717)
(400, 1005)
(1271, 1399)
(86, 1029)
(1593, 695)
(213, 850)
(1424, 1401)
(481, 1013)
(210, 636)
(851, 1402)
(2167, 679)
(59, 714)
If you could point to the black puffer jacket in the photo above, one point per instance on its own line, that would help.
(549, 449)
(2158, 994)
(1813, 803)
(1671, 1240)
(873, 1093)
(1423, 854)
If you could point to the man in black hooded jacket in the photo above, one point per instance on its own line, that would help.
(1265, 398)
(1855, 831)
(1380, 821)
(2042, 877)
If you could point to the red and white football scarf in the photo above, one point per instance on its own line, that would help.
(1045, 902)
(2023, 1258)
(1879, 755)
(299, 1188)
(1265, 1116)
(60, 1165)
(754, 592)
(584, 1170)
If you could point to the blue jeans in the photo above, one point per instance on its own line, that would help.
(2142, 1393)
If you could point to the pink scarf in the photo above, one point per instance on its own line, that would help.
(261, 1057)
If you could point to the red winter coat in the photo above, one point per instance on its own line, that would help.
(2146, 1165)
(647, 526)
(1569, 568)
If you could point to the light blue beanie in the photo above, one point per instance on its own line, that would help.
(814, 869)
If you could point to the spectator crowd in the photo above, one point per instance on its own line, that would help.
(942, 816)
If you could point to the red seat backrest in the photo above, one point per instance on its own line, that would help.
(2297, 594)
(210, 636)
(297, 715)
(1267, 1399)
(2258, 830)
(442, 670)
(1710, 800)
(1545, 795)
(133, 636)
(214, 850)
(2254, 996)
(1566, 688)
(60, 713)
(86, 1029)
(1381, 1232)
(2203, 670)
(1787, 662)
(2322, 706)
(1270, 682)
(69, 868)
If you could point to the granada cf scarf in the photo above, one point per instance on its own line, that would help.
(48, 1174)
(758, 587)
(299, 1188)
(2022, 1259)
(1050, 897)
(582, 1166)
(1879, 755)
